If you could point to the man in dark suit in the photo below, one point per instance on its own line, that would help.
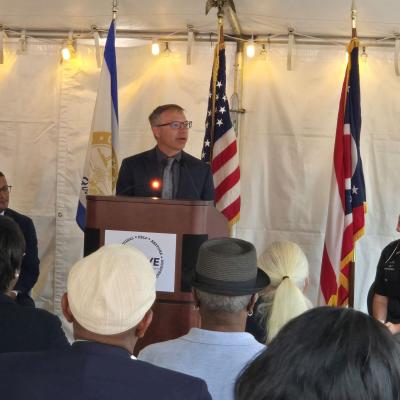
(108, 300)
(22, 328)
(30, 265)
(166, 171)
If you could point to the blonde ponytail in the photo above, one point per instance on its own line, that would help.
(287, 267)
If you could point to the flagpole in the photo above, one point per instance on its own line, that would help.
(220, 143)
(352, 264)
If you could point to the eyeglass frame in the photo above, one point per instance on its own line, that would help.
(182, 125)
(6, 189)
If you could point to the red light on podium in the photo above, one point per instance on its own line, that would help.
(155, 184)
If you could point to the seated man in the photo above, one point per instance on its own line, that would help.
(30, 264)
(22, 328)
(226, 283)
(109, 296)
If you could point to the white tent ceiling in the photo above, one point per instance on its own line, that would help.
(291, 110)
(313, 17)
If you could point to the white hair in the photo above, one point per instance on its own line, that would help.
(221, 303)
(287, 266)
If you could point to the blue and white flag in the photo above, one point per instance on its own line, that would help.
(101, 165)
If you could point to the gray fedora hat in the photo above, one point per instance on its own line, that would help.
(228, 266)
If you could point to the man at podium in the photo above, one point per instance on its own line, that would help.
(166, 171)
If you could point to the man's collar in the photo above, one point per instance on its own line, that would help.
(162, 156)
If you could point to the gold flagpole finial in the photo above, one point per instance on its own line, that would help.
(353, 19)
(115, 9)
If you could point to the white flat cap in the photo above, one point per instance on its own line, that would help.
(111, 290)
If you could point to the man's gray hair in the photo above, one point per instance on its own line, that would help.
(155, 114)
(221, 303)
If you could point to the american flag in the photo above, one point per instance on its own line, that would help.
(219, 147)
(347, 205)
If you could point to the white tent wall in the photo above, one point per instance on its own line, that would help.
(286, 142)
(287, 145)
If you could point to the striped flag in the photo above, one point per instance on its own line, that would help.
(347, 205)
(101, 165)
(220, 147)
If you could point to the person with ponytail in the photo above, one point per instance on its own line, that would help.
(287, 266)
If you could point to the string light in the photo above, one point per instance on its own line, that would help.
(364, 55)
(263, 52)
(22, 42)
(167, 51)
(68, 50)
(155, 48)
(250, 49)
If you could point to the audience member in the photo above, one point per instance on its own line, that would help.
(21, 328)
(387, 286)
(109, 296)
(226, 282)
(326, 353)
(29, 270)
(287, 267)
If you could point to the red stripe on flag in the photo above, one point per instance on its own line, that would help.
(223, 157)
(343, 293)
(232, 210)
(348, 242)
(339, 145)
(328, 277)
(229, 182)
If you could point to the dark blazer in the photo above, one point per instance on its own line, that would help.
(136, 173)
(92, 371)
(28, 329)
(30, 264)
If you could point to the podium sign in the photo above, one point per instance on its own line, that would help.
(160, 249)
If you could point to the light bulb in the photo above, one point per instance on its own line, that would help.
(250, 49)
(167, 51)
(263, 52)
(155, 48)
(364, 55)
(66, 54)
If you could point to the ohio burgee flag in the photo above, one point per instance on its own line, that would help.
(347, 203)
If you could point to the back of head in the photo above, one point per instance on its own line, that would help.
(326, 353)
(287, 266)
(227, 275)
(111, 290)
(155, 114)
(12, 247)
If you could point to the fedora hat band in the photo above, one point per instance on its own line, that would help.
(224, 287)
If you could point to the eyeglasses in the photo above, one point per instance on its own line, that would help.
(6, 189)
(178, 124)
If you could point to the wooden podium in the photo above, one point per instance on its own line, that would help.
(193, 222)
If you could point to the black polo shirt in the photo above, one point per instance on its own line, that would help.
(387, 280)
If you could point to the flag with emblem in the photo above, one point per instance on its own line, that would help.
(220, 147)
(101, 165)
(347, 204)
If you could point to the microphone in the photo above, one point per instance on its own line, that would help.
(184, 165)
